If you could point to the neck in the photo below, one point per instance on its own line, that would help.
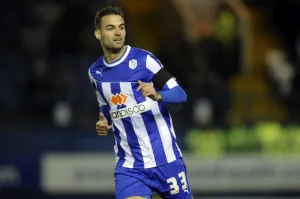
(111, 56)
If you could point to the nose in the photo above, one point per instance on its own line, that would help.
(118, 31)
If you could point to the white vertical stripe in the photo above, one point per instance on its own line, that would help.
(139, 128)
(171, 83)
(116, 148)
(92, 79)
(152, 65)
(100, 99)
(129, 160)
(173, 132)
(164, 131)
(172, 127)
(179, 149)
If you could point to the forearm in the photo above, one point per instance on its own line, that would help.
(174, 95)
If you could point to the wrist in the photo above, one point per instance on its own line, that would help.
(158, 97)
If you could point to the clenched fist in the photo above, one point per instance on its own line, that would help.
(102, 125)
(148, 90)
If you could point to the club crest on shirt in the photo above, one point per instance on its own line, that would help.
(133, 64)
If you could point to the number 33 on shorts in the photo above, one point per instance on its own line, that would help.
(175, 187)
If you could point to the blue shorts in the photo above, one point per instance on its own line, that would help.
(168, 180)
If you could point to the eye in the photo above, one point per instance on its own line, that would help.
(109, 28)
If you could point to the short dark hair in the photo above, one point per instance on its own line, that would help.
(108, 10)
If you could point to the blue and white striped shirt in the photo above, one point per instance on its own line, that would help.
(143, 129)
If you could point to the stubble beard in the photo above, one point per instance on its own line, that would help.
(114, 50)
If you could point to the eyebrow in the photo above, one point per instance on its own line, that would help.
(123, 24)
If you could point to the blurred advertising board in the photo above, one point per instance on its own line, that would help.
(78, 173)
(244, 173)
(93, 173)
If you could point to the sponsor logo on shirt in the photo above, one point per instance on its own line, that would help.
(118, 99)
(129, 111)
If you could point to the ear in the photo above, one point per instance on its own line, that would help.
(97, 34)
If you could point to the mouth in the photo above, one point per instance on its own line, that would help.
(118, 40)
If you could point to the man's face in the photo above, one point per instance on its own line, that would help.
(112, 32)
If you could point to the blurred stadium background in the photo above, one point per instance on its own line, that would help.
(238, 60)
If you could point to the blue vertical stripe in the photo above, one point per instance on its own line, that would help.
(121, 152)
(130, 133)
(166, 116)
(152, 129)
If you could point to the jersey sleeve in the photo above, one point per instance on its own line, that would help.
(159, 75)
(153, 65)
(100, 99)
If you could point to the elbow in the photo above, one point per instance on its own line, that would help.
(181, 95)
(174, 96)
(184, 97)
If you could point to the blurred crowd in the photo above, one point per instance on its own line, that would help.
(48, 45)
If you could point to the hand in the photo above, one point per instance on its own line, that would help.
(149, 91)
(102, 125)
